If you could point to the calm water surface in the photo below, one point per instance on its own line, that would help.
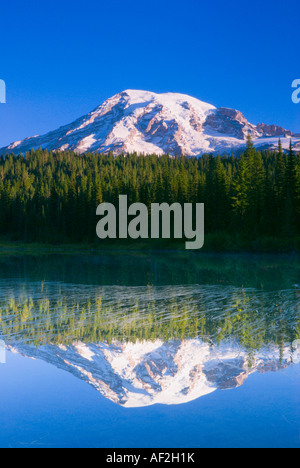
(166, 350)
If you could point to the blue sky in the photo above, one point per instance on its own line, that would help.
(61, 59)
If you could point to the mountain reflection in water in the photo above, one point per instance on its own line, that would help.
(152, 344)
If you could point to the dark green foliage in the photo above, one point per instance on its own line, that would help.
(52, 196)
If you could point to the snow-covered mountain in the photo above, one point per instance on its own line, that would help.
(145, 373)
(146, 122)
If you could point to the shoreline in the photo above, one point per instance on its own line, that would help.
(262, 246)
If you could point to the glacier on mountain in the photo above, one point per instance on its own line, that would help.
(149, 123)
(150, 372)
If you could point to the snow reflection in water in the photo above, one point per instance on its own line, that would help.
(143, 345)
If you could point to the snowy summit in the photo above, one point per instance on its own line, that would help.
(146, 122)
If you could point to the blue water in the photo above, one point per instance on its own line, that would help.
(45, 407)
(45, 401)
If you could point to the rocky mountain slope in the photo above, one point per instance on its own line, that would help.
(142, 374)
(146, 122)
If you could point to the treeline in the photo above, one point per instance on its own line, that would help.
(52, 196)
(58, 314)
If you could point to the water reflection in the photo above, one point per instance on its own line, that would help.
(145, 373)
(152, 344)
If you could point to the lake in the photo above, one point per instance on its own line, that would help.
(149, 350)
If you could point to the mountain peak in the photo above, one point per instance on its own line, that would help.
(145, 373)
(147, 122)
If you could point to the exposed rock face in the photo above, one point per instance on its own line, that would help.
(231, 122)
(273, 131)
(228, 374)
(296, 147)
(143, 374)
(146, 122)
